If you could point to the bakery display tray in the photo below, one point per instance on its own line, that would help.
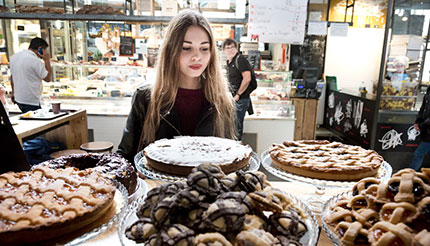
(46, 116)
(384, 173)
(121, 201)
(327, 210)
(140, 162)
(309, 239)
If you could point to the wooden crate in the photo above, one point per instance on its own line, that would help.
(306, 118)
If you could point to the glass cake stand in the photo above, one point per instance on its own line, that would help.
(315, 201)
(327, 210)
(141, 190)
(309, 239)
(121, 201)
(140, 161)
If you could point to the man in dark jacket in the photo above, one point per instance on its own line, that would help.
(422, 124)
(239, 76)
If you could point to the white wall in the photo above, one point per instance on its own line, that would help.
(107, 128)
(355, 58)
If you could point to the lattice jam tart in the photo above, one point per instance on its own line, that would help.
(325, 160)
(44, 203)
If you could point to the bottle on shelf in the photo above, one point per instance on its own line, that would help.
(362, 89)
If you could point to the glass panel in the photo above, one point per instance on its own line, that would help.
(406, 56)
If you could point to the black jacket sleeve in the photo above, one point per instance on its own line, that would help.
(133, 128)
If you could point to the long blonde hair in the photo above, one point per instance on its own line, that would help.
(166, 85)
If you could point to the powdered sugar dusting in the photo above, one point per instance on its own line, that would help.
(192, 151)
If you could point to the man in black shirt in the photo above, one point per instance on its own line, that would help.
(422, 124)
(239, 74)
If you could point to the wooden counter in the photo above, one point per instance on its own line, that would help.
(110, 237)
(70, 129)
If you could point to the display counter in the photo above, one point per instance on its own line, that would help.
(70, 129)
(110, 237)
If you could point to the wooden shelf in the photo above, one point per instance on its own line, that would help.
(129, 18)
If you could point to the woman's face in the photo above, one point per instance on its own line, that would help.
(195, 54)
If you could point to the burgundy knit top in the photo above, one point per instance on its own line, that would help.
(189, 104)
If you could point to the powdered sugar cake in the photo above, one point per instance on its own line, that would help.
(44, 203)
(180, 155)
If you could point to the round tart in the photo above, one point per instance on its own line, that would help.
(326, 160)
(180, 155)
(46, 204)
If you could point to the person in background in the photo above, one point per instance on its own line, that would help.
(190, 95)
(398, 75)
(27, 72)
(422, 124)
(3, 98)
(239, 74)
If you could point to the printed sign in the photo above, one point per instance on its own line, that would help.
(350, 116)
(277, 21)
(126, 46)
(397, 137)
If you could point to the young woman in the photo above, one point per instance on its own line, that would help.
(190, 95)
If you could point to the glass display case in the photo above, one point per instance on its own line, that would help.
(272, 96)
(406, 67)
(98, 80)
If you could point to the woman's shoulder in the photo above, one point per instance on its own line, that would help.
(144, 90)
(143, 93)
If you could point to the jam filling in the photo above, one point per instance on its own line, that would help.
(86, 205)
(60, 200)
(378, 233)
(418, 190)
(426, 211)
(341, 231)
(8, 188)
(394, 187)
(387, 214)
(45, 181)
(360, 203)
(20, 208)
(355, 192)
(34, 194)
(69, 187)
(361, 240)
(6, 224)
(49, 213)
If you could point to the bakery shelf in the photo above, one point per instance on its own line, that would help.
(131, 18)
(95, 66)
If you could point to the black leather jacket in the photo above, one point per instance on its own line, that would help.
(169, 124)
(423, 118)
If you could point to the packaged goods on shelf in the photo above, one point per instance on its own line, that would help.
(403, 89)
(397, 102)
(99, 10)
(37, 9)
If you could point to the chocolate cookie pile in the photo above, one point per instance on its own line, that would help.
(214, 209)
(395, 213)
